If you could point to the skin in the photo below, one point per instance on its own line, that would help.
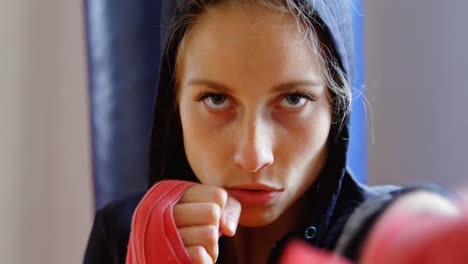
(254, 109)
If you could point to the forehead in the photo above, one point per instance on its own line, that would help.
(253, 43)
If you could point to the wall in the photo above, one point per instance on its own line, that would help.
(417, 66)
(45, 190)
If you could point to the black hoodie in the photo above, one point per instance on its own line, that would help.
(333, 197)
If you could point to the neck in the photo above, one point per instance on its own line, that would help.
(254, 245)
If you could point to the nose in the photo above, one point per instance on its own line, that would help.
(254, 151)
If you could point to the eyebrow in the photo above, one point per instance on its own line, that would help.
(277, 88)
(298, 83)
(211, 84)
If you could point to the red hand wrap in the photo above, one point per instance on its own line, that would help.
(154, 237)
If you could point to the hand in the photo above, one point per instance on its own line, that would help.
(201, 216)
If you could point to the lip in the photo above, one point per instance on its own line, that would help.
(254, 194)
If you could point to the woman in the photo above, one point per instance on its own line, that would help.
(249, 141)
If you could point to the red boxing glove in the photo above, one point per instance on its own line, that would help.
(415, 238)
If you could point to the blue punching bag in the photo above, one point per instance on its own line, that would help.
(123, 55)
(357, 152)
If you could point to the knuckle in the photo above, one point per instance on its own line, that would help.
(183, 234)
(197, 253)
(190, 193)
(186, 193)
(220, 197)
(211, 236)
(181, 214)
(176, 212)
(213, 213)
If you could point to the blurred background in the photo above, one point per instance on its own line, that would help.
(416, 79)
(415, 68)
(45, 192)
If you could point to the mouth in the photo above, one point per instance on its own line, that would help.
(250, 195)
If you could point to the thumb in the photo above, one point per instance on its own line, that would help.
(230, 217)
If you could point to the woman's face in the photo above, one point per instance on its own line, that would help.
(254, 109)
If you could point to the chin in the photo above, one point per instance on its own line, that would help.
(257, 217)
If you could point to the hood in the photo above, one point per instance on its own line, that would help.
(335, 18)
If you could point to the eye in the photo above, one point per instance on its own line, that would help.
(294, 100)
(216, 101)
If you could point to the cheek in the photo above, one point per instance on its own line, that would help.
(304, 142)
(192, 130)
(315, 132)
(309, 127)
(201, 142)
(199, 128)
(318, 139)
(192, 125)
